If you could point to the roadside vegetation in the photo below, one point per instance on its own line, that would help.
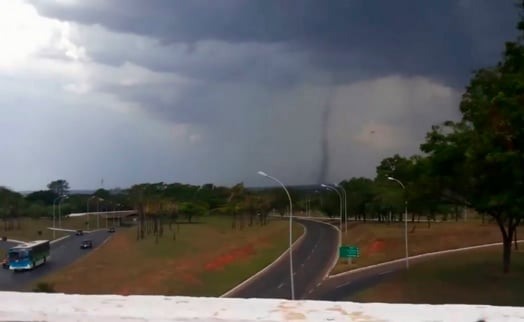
(380, 243)
(208, 258)
(472, 277)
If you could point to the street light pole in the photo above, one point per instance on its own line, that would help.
(98, 212)
(308, 207)
(106, 212)
(340, 199)
(54, 220)
(405, 218)
(345, 207)
(60, 210)
(87, 211)
(290, 231)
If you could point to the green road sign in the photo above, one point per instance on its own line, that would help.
(349, 252)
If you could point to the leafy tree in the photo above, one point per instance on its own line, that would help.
(11, 207)
(360, 194)
(484, 151)
(190, 210)
(44, 287)
(45, 196)
(59, 187)
(102, 193)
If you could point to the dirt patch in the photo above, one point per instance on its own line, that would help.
(202, 261)
(230, 257)
(377, 246)
(381, 242)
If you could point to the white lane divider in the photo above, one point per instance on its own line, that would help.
(343, 285)
(384, 273)
(281, 285)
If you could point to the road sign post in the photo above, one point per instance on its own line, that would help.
(349, 253)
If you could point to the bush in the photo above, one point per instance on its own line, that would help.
(44, 287)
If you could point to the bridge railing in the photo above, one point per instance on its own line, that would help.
(114, 308)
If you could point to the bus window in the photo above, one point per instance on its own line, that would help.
(15, 255)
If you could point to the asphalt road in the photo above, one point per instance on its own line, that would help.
(312, 259)
(343, 287)
(63, 253)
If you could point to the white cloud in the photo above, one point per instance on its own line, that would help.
(24, 33)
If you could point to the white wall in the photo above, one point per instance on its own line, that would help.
(102, 308)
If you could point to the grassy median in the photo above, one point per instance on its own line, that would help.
(206, 259)
(37, 228)
(381, 242)
(472, 277)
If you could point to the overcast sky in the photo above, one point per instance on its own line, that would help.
(212, 91)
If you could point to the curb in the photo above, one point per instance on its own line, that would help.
(15, 241)
(59, 239)
(94, 230)
(270, 265)
(441, 252)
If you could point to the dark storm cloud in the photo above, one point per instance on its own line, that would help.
(295, 86)
(409, 37)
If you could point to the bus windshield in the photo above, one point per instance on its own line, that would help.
(18, 254)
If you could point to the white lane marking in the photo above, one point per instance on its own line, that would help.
(281, 285)
(319, 283)
(302, 265)
(310, 291)
(345, 284)
(386, 272)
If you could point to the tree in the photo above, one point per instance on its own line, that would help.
(59, 187)
(102, 193)
(190, 210)
(11, 205)
(483, 153)
(360, 194)
(45, 196)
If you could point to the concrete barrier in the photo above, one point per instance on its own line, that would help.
(113, 308)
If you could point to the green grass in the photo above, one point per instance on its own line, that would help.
(29, 228)
(185, 266)
(473, 277)
(220, 282)
(380, 242)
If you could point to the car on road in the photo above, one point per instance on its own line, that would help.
(79, 232)
(86, 244)
(112, 230)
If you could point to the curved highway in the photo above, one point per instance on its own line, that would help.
(63, 253)
(312, 259)
(340, 288)
(343, 286)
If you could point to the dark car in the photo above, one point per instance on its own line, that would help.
(112, 230)
(5, 263)
(79, 232)
(86, 244)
